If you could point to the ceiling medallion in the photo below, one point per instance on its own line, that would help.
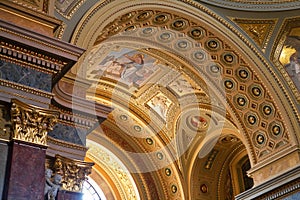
(149, 141)
(161, 18)
(196, 33)
(143, 16)
(228, 84)
(179, 24)
(168, 172)
(259, 139)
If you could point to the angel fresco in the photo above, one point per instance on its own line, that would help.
(290, 56)
(128, 66)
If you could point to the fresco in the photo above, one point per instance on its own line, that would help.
(160, 104)
(131, 67)
(290, 56)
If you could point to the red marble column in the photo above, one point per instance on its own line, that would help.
(26, 174)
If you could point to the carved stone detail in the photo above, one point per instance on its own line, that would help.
(73, 172)
(31, 124)
(5, 123)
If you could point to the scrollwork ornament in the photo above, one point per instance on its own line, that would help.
(31, 124)
(73, 172)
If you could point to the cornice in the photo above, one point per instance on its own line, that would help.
(71, 101)
(252, 5)
(38, 51)
(269, 186)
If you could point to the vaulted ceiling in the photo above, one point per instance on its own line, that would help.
(185, 78)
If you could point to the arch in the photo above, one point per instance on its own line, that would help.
(243, 70)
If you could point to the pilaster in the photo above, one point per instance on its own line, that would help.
(25, 163)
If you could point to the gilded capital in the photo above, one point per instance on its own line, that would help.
(73, 172)
(30, 123)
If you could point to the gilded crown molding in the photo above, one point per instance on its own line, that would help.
(30, 123)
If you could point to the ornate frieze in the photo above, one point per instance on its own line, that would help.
(37, 52)
(30, 123)
(73, 172)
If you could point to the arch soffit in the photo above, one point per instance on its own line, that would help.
(256, 112)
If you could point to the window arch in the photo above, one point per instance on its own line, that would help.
(91, 191)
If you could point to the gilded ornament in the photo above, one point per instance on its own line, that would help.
(174, 188)
(243, 74)
(130, 28)
(159, 155)
(241, 101)
(168, 171)
(126, 17)
(147, 31)
(182, 44)
(204, 188)
(143, 16)
(251, 119)
(256, 91)
(199, 55)
(137, 128)
(228, 58)
(267, 110)
(149, 141)
(123, 117)
(260, 139)
(196, 33)
(213, 44)
(160, 19)
(228, 84)
(73, 172)
(30, 123)
(179, 24)
(276, 130)
(214, 68)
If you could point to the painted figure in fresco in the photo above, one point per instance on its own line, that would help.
(129, 67)
(198, 122)
(293, 67)
(159, 104)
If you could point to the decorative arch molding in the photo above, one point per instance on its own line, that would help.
(243, 67)
(155, 172)
(115, 169)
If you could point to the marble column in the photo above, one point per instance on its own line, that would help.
(25, 176)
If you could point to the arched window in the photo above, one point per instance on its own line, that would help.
(91, 191)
